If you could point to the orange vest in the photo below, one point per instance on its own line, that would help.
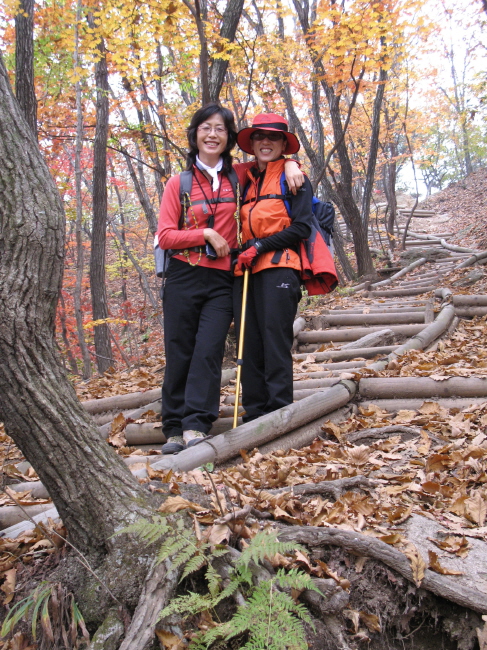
(264, 218)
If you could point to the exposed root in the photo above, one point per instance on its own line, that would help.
(335, 488)
(364, 545)
(383, 432)
(242, 514)
(158, 588)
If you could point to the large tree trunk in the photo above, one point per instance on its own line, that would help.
(24, 62)
(90, 486)
(99, 299)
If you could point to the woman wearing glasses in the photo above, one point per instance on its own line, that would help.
(198, 290)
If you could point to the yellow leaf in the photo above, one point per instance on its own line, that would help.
(170, 641)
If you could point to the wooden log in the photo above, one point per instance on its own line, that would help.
(431, 332)
(394, 405)
(122, 402)
(399, 274)
(399, 292)
(137, 400)
(298, 325)
(372, 340)
(409, 284)
(458, 249)
(299, 391)
(371, 309)
(472, 260)
(470, 312)
(304, 436)
(431, 242)
(17, 529)
(470, 300)
(343, 355)
(11, 515)
(335, 336)
(261, 431)
(370, 319)
(424, 387)
(335, 367)
(144, 434)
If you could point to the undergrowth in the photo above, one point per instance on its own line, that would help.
(268, 611)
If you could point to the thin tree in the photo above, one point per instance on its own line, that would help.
(24, 62)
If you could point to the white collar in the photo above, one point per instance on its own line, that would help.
(212, 171)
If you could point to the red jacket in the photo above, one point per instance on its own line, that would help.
(171, 237)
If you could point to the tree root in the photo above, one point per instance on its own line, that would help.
(159, 586)
(364, 545)
(331, 600)
(335, 488)
(383, 432)
(243, 513)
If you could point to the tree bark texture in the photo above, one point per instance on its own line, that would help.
(90, 486)
(24, 62)
(99, 300)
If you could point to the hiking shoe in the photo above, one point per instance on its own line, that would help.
(191, 437)
(173, 445)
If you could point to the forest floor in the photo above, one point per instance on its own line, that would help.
(424, 495)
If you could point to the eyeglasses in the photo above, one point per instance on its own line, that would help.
(269, 135)
(207, 129)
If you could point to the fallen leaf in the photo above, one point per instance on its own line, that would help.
(371, 621)
(8, 586)
(418, 565)
(170, 641)
(174, 504)
(435, 565)
(476, 509)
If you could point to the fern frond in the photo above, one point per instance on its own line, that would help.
(295, 579)
(172, 546)
(264, 546)
(186, 605)
(148, 531)
(194, 564)
(214, 581)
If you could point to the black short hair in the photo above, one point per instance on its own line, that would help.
(203, 114)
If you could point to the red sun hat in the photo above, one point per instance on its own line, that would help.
(268, 122)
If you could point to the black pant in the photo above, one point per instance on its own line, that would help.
(197, 314)
(267, 371)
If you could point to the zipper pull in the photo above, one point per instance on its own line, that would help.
(288, 257)
(205, 208)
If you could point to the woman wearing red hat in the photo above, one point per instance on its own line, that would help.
(198, 291)
(271, 237)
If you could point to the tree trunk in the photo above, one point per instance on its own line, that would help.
(24, 62)
(90, 486)
(228, 29)
(80, 251)
(103, 348)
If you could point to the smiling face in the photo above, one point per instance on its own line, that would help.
(211, 139)
(266, 147)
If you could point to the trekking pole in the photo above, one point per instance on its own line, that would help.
(241, 345)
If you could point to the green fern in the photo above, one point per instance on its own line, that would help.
(270, 618)
(264, 546)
